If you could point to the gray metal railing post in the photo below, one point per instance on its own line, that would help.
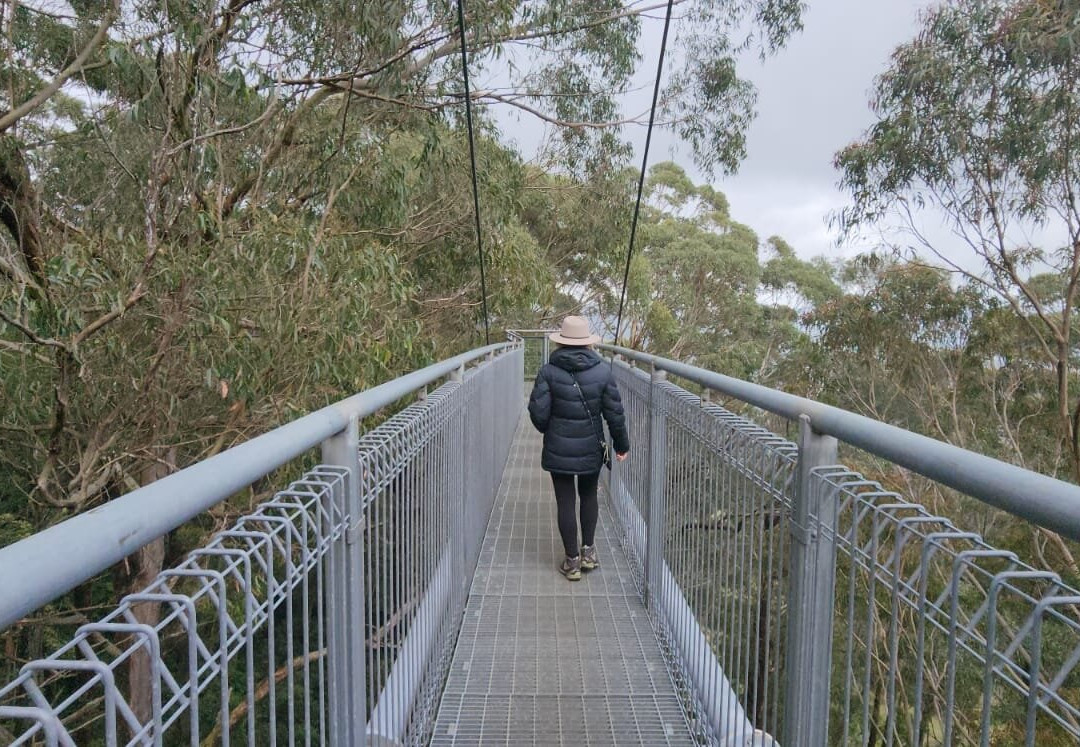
(346, 657)
(615, 465)
(459, 456)
(657, 459)
(810, 595)
(544, 356)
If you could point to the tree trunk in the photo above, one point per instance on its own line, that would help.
(759, 672)
(20, 211)
(147, 562)
(876, 736)
(1068, 434)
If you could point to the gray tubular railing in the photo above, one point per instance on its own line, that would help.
(803, 599)
(327, 615)
(1040, 499)
(700, 503)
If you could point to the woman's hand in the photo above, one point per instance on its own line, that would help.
(622, 457)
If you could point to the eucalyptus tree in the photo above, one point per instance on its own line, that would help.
(807, 283)
(693, 291)
(580, 226)
(184, 185)
(217, 215)
(978, 118)
(906, 344)
(900, 348)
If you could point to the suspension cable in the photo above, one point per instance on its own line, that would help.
(644, 162)
(472, 161)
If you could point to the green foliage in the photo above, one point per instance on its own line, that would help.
(982, 99)
(204, 240)
(693, 291)
(786, 272)
(978, 118)
(710, 103)
(580, 228)
(908, 346)
(234, 213)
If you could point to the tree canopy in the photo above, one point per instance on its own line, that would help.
(219, 215)
(977, 118)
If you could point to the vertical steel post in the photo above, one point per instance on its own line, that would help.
(810, 595)
(460, 524)
(492, 446)
(657, 460)
(615, 464)
(346, 657)
(546, 353)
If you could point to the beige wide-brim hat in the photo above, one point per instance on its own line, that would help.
(575, 331)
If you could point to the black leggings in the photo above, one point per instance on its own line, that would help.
(564, 496)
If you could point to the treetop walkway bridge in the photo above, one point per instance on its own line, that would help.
(752, 589)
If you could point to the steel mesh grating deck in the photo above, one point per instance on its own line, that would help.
(543, 661)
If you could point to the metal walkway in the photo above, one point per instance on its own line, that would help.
(795, 599)
(541, 660)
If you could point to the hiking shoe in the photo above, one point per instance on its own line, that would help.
(588, 558)
(571, 568)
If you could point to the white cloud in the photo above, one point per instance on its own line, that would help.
(813, 100)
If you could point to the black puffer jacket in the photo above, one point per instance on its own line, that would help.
(571, 445)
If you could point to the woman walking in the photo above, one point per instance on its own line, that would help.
(571, 394)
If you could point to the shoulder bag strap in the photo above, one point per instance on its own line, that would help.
(585, 404)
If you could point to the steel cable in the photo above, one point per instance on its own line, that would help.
(472, 161)
(644, 162)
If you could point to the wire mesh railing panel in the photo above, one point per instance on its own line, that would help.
(933, 636)
(901, 626)
(939, 638)
(335, 603)
(409, 490)
(492, 401)
(428, 480)
(727, 501)
(537, 347)
(629, 483)
(535, 356)
(228, 646)
(724, 484)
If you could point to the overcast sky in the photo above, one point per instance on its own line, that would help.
(812, 100)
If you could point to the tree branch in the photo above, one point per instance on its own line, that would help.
(33, 336)
(512, 101)
(271, 110)
(102, 33)
(237, 713)
(451, 44)
(16, 274)
(284, 140)
(23, 349)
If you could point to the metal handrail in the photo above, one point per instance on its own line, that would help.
(755, 554)
(1046, 501)
(804, 598)
(101, 537)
